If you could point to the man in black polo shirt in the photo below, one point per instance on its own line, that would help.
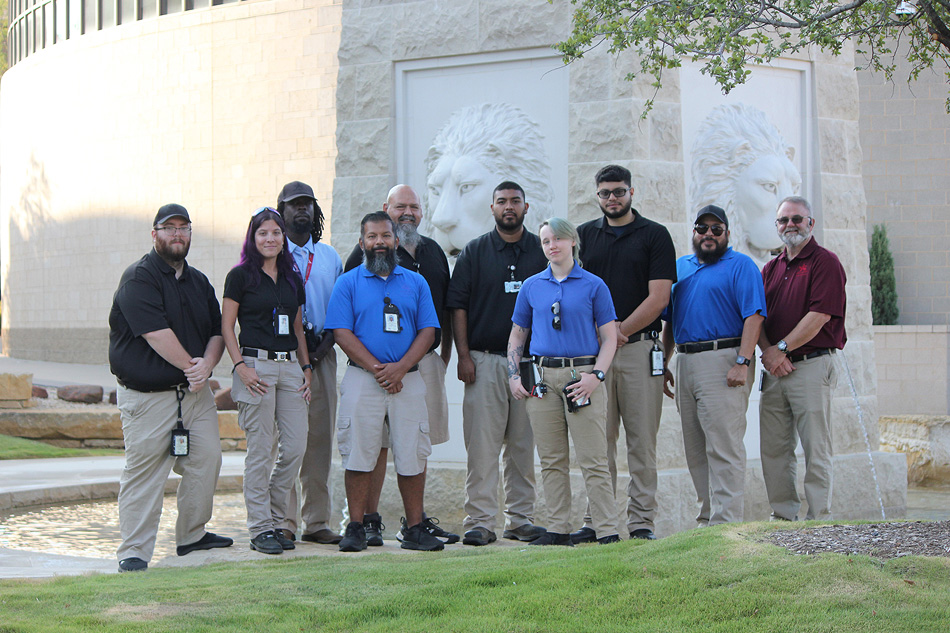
(485, 284)
(164, 340)
(422, 255)
(635, 257)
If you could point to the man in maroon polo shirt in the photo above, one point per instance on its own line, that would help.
(805, 302)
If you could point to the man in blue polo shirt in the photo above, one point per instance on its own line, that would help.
(714, 318)
(383, 318)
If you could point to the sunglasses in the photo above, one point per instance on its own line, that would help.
(795, 219)
(620, 192)
(262, 210)
(702, 228)
(556, 321)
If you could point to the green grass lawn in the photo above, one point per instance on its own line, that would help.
(18, 448)
(710, 580)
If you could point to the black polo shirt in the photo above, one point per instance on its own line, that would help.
(148, 299)
(256, 306)
(478, 285)
(430, 262)
(642, 252)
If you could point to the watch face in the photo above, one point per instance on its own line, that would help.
(742, 360)
(599, 374)
(782, 346)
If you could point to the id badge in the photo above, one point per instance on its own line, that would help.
(656, 362)
(512, 287)
(391, 323)
(283, 325)
(180, 442)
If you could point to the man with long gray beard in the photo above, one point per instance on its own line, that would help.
(383, 318)
(806, 300)
(714, 317)
(424, 256)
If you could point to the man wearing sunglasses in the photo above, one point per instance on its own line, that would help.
(636, 259)
(805, 296)
(713, 319)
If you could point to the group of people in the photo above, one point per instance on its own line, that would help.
(550, 351)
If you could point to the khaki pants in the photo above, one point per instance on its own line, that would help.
(280, 416)
(713, 417)
(635, 397)
(432, 370)
(551, 422)
(147, 423)
(798, 406)
(492, 422)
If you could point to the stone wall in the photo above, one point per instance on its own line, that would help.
(912, 366)
(215, 109)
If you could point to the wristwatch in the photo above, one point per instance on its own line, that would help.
(742, 360)
(598, 374)
(782, 346)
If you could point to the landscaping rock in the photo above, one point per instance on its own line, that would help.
(113, 397)
(80, 393)
(214, 384)
(40, 392)
(16, 386)
(222, 400)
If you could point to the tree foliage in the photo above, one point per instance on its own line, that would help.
(729, 36)
(884, 309)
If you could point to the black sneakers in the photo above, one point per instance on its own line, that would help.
(526, 532)
(208, 541)
(479, 536)
(418, 537)
(431, 524)
(354, 539)
(643, 533)
(266, 543)
(373, 525)
(132, 564)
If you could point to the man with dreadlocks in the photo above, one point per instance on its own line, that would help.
(319, 266)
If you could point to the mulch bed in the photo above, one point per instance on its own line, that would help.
(880, 540)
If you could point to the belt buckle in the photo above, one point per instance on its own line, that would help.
(282, 356)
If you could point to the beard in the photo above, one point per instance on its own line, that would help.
(172, 252)
(709, 257)
(510, 224)
(796, 239)
(408, 234)
(619, 213)
(380, 262)
(301, 224)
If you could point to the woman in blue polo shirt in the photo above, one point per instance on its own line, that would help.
(564, 308)
(271, 382)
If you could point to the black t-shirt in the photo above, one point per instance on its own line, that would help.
(478, 285)
(628, 262)
(430, 262)
(257, 305)
(148, 299)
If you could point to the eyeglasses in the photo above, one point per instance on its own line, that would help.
(618, 193)
(262, 210)
(556, 321)
(717, 230)
(795, 219)
(174, 230)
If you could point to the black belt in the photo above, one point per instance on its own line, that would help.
(263, 354)
(816, 354)
(358, 366)
(707, 346)
(642, 336)
(548, 361)
(183, 386)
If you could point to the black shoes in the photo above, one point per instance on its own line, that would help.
(418, 537)
(643, 533)
(133, 564)
(286, 542)
(373, 525)
(479, 536)
(354, 539)
(583, 535)
(607, 540)
(526, 532)
(324, 537)
(553, 538)
(431, 524)
(208, 541)
(267, 543)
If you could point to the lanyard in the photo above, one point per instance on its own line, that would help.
(309, 266)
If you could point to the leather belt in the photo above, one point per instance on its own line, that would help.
(642, 336)
(183, 386)
(815, 354)
(358, 366)
(263, 354)
(549, 361)
(708, 346)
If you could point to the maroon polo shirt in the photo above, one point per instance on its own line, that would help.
(812, 282)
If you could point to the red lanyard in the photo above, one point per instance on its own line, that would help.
(309, 266)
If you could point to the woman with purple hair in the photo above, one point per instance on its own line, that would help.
(271, 378)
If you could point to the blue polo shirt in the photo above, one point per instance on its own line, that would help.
(325, 268)
(585, 306)
(357, 305)
(712, 301)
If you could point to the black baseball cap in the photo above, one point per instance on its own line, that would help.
(294, 190)
(170, 211)
(711, 209)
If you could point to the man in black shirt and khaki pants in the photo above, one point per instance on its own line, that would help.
(164, 341)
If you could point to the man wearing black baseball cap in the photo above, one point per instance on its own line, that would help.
(164, 341)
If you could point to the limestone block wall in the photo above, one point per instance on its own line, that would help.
(215, 109)
(912, 364)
